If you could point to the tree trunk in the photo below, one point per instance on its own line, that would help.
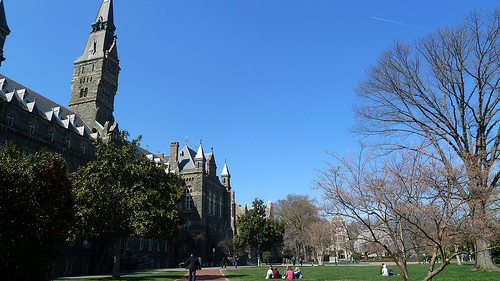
(116, 260)
(459, 261)
(319, 256)
(484, 260)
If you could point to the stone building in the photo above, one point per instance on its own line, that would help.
(340, 240)
(33, 121)
(208, 204)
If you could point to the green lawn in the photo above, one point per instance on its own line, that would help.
(323, 273)
(357, 272)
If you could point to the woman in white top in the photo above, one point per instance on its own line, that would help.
(269, 274)
(384, 271)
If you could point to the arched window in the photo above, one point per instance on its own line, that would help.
(10, 119)
(220, 207)
(67, 142)
(81, 93)
(50, 136)
(83, 148)
(32, 128)
(189, 199)
(209, 202)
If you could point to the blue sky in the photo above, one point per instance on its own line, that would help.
(267, 83)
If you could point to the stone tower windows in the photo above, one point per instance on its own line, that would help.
(83, 92)
(189, 198)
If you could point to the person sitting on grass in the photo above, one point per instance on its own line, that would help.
(276, 273)
(269, 274)
(289, 273)
(391, 272)
(384, 270)
(297, 273)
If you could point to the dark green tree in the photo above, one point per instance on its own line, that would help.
(122, 194)
(257, 232)
(36, 209)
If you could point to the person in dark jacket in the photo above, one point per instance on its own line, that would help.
(192, 263)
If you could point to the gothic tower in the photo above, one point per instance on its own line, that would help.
(95, 78)
(4, 30)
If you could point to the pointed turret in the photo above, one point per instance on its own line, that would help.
(95, 78)
(200, 160)
(226, 177)
(4, 30)
(211, 166)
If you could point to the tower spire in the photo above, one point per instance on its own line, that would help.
(104, 19)
(4, 30)
(95, 78)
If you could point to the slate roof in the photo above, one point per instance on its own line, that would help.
(28, 100)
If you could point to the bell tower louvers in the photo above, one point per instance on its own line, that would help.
(95, 78)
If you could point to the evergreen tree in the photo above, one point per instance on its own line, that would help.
(257, 232)
(122, 194)
(36, 208)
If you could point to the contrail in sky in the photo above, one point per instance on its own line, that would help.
(400, 23)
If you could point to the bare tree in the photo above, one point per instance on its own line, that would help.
(319, 237)
(399, 198)
(297, 212)
(444, 88)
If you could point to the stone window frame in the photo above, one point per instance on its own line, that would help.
(214, 205)
(10, 119)
(32, 128)
(221, 203)
(51, 135)
(68, 266)
(67, 142)
(141, 244)
(189, 198)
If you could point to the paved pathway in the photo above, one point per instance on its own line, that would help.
(213, 274)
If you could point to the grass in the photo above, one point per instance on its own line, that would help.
(361, 273)
(324, 273)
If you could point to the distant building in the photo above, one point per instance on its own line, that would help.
(32, 121)
(340, 240)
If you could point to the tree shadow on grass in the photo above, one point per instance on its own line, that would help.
(142, 277)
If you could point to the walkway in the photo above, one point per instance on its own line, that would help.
(213, 274)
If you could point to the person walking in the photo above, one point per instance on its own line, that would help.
(192, 264)
(235, 261)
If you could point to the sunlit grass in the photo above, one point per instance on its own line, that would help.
(359, 272)
(356, 272)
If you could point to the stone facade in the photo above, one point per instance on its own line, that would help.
(33, 122)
